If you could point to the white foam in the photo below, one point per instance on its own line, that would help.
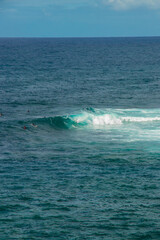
(140, 119)
(97, 120)
(105, 120)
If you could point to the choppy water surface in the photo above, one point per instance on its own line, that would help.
(80, 138)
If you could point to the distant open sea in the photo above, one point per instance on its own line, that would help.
(80, 138)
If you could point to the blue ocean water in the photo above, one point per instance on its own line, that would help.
(80, 138)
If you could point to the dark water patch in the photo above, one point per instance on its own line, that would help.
(12, 207)
(146, 236)
(24, 198)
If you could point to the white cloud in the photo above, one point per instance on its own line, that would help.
(128, 4)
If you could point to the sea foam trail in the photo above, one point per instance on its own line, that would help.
(95, 118)
(140, 119)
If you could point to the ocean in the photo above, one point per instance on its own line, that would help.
(80, 138)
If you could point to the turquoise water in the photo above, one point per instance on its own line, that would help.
(79, 138)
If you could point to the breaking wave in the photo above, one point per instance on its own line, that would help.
(96, 118)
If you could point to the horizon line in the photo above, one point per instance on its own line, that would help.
(82, 37)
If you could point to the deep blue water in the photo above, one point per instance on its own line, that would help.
(87, 164)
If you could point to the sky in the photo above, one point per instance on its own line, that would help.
(79, 18)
